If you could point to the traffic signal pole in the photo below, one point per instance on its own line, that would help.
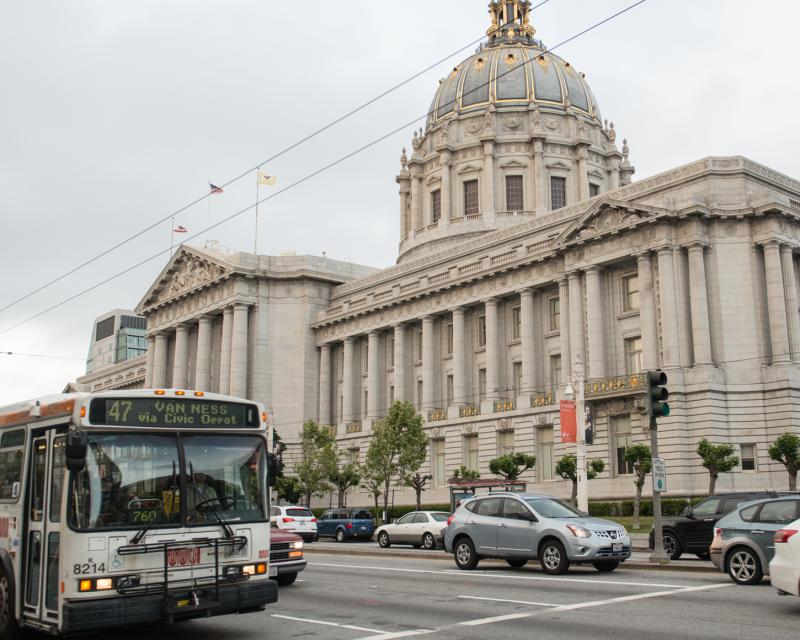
(656, 406)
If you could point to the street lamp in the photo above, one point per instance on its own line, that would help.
(570, 393)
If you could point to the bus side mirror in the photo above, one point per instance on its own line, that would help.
(274, 468)
(75, 450)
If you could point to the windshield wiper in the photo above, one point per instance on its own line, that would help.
(214, 511)
(143, 531)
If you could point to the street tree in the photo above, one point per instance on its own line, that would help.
(418, 482)
(398, 447)
(717, 458)
(372, 483)
(345, 476)
(317, 460)
(465, 473)
(512, 465)
(640, 457)
(289, 489)
(786, 450)
(567, 468)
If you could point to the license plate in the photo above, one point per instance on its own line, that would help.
(183, 557)
(363, 528)
(273, 571)
(616, 547)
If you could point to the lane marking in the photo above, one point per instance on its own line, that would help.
(328, 624)
(401, 634)
(535, 604)
(480, 621)
(641, 596)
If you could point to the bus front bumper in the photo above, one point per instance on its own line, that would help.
(89, 615)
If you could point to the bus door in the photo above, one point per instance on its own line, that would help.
(45, 491)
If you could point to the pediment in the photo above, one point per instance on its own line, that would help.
(470, 168)
(558, 164)
(513, 164)
(188, 270)
(608, 216)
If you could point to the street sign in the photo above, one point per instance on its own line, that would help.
(659, 474)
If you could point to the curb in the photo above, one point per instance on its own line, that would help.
(441, 555)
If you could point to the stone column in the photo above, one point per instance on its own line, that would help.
(403, 212)
(487, 183)
(647, 312)
(698, 300)
(160, 361)
(527, 340)
(202, 376)
(428, 365)
(239, 351)
(400, 362)
(563, 303)
(776, 303)
(541, 205)
(790, 293)
(669, 308)
(149, 358)
(576, 321)
(582, 153)
(180, 367)
(594, 312)
(444, 159)
(325, 385)
(613, 175)
(225, 351)
(492, 351)
(416, 205)
(460, 389)
(348, 380)
(374, 376)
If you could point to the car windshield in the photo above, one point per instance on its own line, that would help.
(131, 480)
(362, 515)
(299, 513)
(553, 508)
(440, 517)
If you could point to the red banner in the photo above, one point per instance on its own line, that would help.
(569, 422)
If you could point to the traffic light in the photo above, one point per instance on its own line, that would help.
(657, 395)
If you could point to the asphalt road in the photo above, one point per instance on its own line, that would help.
(381, 598)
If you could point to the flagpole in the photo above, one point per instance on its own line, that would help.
(171, 235)
(258, 180)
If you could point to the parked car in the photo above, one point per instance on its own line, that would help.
(743, 546)
(784, 568)
(343, 524)
(523, 526)
(693, 531)
(285, 556)
(298, 520)
(418, 528)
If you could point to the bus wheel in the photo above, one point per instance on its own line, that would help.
(8, 624)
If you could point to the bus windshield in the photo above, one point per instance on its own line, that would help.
(132, 480)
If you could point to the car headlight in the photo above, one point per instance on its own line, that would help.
(624, 532)
(298, 544)
(578, 531)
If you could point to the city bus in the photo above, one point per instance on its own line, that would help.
(132, 507)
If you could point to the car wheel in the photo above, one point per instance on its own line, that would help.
(553, 558)
(744, 567)
(429, 542)
(286, 579)
(517, 563)
(340, 535)
(704, 556)
(605, 566)
(315, 538)
(383, 540)
(464, 554)
(9, 630)
(672, 546)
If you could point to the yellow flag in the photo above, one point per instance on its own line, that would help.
(263, 178)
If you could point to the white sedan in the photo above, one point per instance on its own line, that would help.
(418, 528)
(784, 569)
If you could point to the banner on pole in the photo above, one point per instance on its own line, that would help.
(569, 422)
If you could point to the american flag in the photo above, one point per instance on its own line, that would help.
(215, 188)
(181, 229)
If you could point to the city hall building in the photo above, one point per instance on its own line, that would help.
(525, 247)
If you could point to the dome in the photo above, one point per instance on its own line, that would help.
(509, 75)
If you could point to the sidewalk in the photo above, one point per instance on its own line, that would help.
(638, 560)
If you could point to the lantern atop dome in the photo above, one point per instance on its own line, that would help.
(510, 21)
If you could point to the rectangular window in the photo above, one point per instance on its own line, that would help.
(365, 357)
(57, 478)
(391, 395)
(514, 193)
(366, 404)
(418, 345)
(594, 190)
(419, 394)
(517, 376)
(437, 453)
(633, 355)
(471, 452)
(516, 323)
(558, 192)
(630, 293)
(505, 442)
(554, 314)
(748, 457)
(481, 385)
(355, 455)
(621, 440)
(450, 390)
(555, 372)
(340, 364)
(471, 206)
(481, 332)
(341, 408)
(448, 339)
(390, 354)
(544, 459)
(436, 205)
(11, 464)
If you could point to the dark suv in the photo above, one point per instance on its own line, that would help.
(693, 531)
(344, 524)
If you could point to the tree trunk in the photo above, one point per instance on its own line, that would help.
(712, 483)
(386, 502)
(419, 499)
(341, 497)
(793, 480)
(575, 492)
(308, 500)
(637, 504)
(375, 496)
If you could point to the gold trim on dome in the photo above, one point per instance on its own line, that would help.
(510, 60)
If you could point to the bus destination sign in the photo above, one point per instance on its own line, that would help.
(172, 412)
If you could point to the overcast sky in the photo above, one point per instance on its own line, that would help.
(114, 113)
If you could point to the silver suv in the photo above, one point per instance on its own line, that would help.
(524, 526)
